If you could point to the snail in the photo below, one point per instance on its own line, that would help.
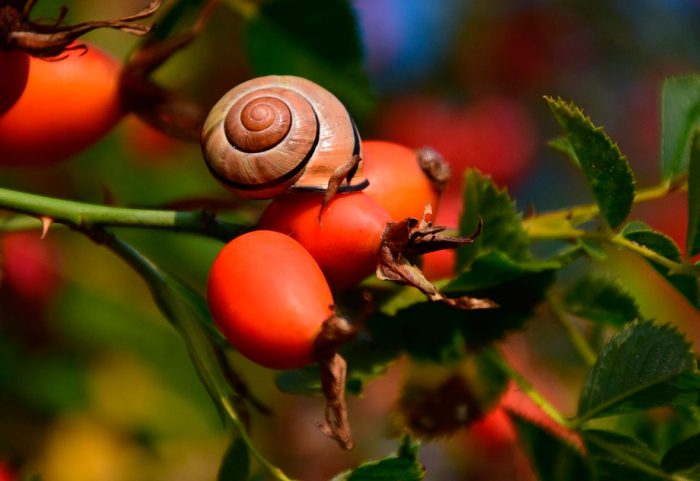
(275, 134)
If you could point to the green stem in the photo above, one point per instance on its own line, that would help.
(577, 340)
(83, 216)
(528, 389)
(276, 472)
(565, 233)
(580, 214)
(672, 266)
(632, 460)
(154, 276)
(19, 223)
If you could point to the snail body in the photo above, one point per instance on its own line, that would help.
(275, 134)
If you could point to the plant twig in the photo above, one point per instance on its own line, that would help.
(84, 216)
(580, 214)
(527, 388)
(153, 275)
(577, 340)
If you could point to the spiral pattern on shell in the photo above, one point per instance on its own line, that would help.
(277, 133)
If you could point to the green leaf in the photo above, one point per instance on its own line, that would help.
(502, 223)
(663, 245)
(607, 171)
(601, 299)
(594, 249)
(562, 145)
(236, 463)
(618, 457)
(692, 242)
(553, 459)
(404, 466)
(683, 456)
(188, 312)
(366, 360)
(315, 39)
(680, 111)
(643, 366)
(438, 332)
(495, 269)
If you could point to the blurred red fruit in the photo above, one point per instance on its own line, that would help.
(668, 215)
(495, 451)
(496, 135)
(6, 473)
(533, 45)
(67, 105)
(29, 267)
(396, 180)
(15, 66)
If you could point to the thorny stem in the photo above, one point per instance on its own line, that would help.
(579, 342)
(84, 216)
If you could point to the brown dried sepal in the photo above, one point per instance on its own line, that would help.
(51, 40)
(335, 332)
(434, 166)
(408, 238)
(434, 410)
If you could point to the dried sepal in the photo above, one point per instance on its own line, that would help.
(401, 241)
(335, 332)
(436, 169)
(17, 31)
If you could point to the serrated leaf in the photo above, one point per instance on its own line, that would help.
(494, 269)
(438, 332)
(680, 112)
(616, 457)
(502, 223)
(601, 299)
(366, 360)
(662, 244)
(683, 456)
(552, 458)
(314, 39)
(607, 171)
(562, 145)
(692, 242)
(659, 242)
(643, 366)
(236, 463)
(403, 466)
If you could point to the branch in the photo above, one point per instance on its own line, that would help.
(84, 217)
(583, 213)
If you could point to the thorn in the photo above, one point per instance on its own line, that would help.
(46, 222)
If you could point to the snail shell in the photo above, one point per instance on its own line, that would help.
(273, 134)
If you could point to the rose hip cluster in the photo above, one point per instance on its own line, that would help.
(342, 209)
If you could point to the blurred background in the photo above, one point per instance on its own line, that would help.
(95, 385)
